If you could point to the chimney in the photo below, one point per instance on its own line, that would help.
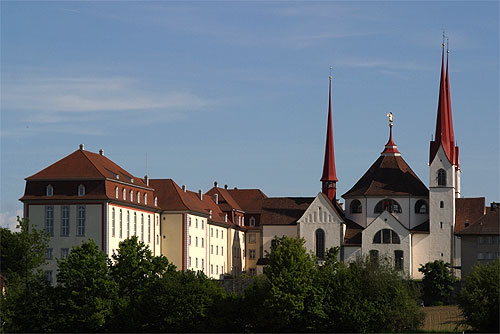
(235, 188)
(200, 195)
(184, 188)
(216, 198)
(82, 147)
(146, 180)
(225, 186)
(101, 152)
(215, 184)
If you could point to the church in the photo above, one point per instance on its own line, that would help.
(389, 214)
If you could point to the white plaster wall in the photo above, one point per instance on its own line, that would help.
(197, 250)
(351, 253)
(387, 221)
(420, 246)
(270, 231)
(358, 218)
(218, 250)
(323, 217)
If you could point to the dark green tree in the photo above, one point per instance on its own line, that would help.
(85, 290)
(437, 282)
(135, 270)
(479, 299)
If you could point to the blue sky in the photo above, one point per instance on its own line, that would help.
(238, 91)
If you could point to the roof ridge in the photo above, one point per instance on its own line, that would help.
(85, 155)
(177, 188)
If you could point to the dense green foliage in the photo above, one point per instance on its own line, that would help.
(137, 292)
(437, 282)
(479, 299)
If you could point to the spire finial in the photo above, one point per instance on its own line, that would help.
(447, 45)
(390, 118)
(444, 36)
(330, 73)
(390, 147)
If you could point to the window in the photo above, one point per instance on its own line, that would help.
(113, 222)
(196, 262)
(211, 268)
(274, 243)
(441, 204)
(81, 221)
(81, 190)
(216, 269)
(222, 234)
(252, 221)
(121, 223)
(252, 254)
(389, 205)
(128, 224)
(189, 221)
(398, 259)
(189, 262)
(64, 253)
(49, 220)
(196, 241)
(203, 242)
(64, 221)
(138, 197)
(156, 201)
(131, 196)
(49, 190)
(146, 199)
(189, 240)
(202, 225)
(221, 250)
(196, 223)
(356, 206)
(216, 250)
(441, 177)
(211, 249)
(386, 236)
(203, 264)
(48, 276)
(157, 239)
(480, 240)
(320, 244)
(149, 229)
(124, 194)
(421, 207)
(252, 238)
(135, 223)
(216, 233)
(374, 256)
(212, 232)
(142, 227)
(116, 192)
(48, 253)
(252, 271)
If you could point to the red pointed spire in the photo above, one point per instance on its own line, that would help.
(390, 147)
(453, 148)
(329, 178)
(444, 127)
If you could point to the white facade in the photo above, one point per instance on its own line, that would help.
(218, 251)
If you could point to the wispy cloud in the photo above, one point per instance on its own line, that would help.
(380, 64)
(57, 99)
(9, 219)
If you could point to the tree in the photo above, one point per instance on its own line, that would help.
(479, 298)
(437, 282)
(135, 270)
(85, 290)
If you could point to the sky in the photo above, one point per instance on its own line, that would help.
(237, 92)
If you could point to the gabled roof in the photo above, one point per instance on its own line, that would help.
(86, 165)
(226, 201)
(353, 233)
(172, 198)
(283, 210)
(389, 175)
(217, 215)
(249, 200)
(468, 210)
(487, 224)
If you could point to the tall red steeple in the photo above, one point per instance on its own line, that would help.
(329, 178)
(444, 124)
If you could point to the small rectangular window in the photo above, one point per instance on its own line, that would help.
(252, 238)
(65, 221)
(64, 253)
(398, 259)
(252, 254)
(48, 253)
(49, 220)
(48, 276)
(81, 221)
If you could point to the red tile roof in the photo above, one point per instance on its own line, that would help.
(468, 210)
(487, 224)
(283, 210)
(389, 175)
(172, 198)
(249, 200)
(226, 201)
(353, 233)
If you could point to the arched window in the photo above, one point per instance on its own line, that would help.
(138, 197)
(389, 205)
(146, 199)
(156, 201)
(116, 192)
(124, 194)
(81, 190)
(252, 221)
(320, 244)
(131, 195)
(421, 207)
(386, 236)
(356, 206)
(441, 177)
(49, 190)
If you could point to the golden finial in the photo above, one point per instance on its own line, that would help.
(330, 73)
(390, 118)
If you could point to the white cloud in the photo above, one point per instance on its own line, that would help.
(9, 220)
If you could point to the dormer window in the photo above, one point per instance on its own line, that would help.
(124, 194)
(116, 192)
(81, 190)
(252, 221)
(356, 206)
(389, 205)
(138, 197)
(441, 177)
(146, 199)
(131, 195)
(156, 201)
(49, 190)
(421, 207)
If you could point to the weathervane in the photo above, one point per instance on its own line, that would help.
(390, 118)
(330, 73)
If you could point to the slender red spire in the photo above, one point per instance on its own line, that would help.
(390, 147)
(444, 127)
(453, 148)
(329, 178)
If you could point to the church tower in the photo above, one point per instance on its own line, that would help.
(329, 178)
(444, 174)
